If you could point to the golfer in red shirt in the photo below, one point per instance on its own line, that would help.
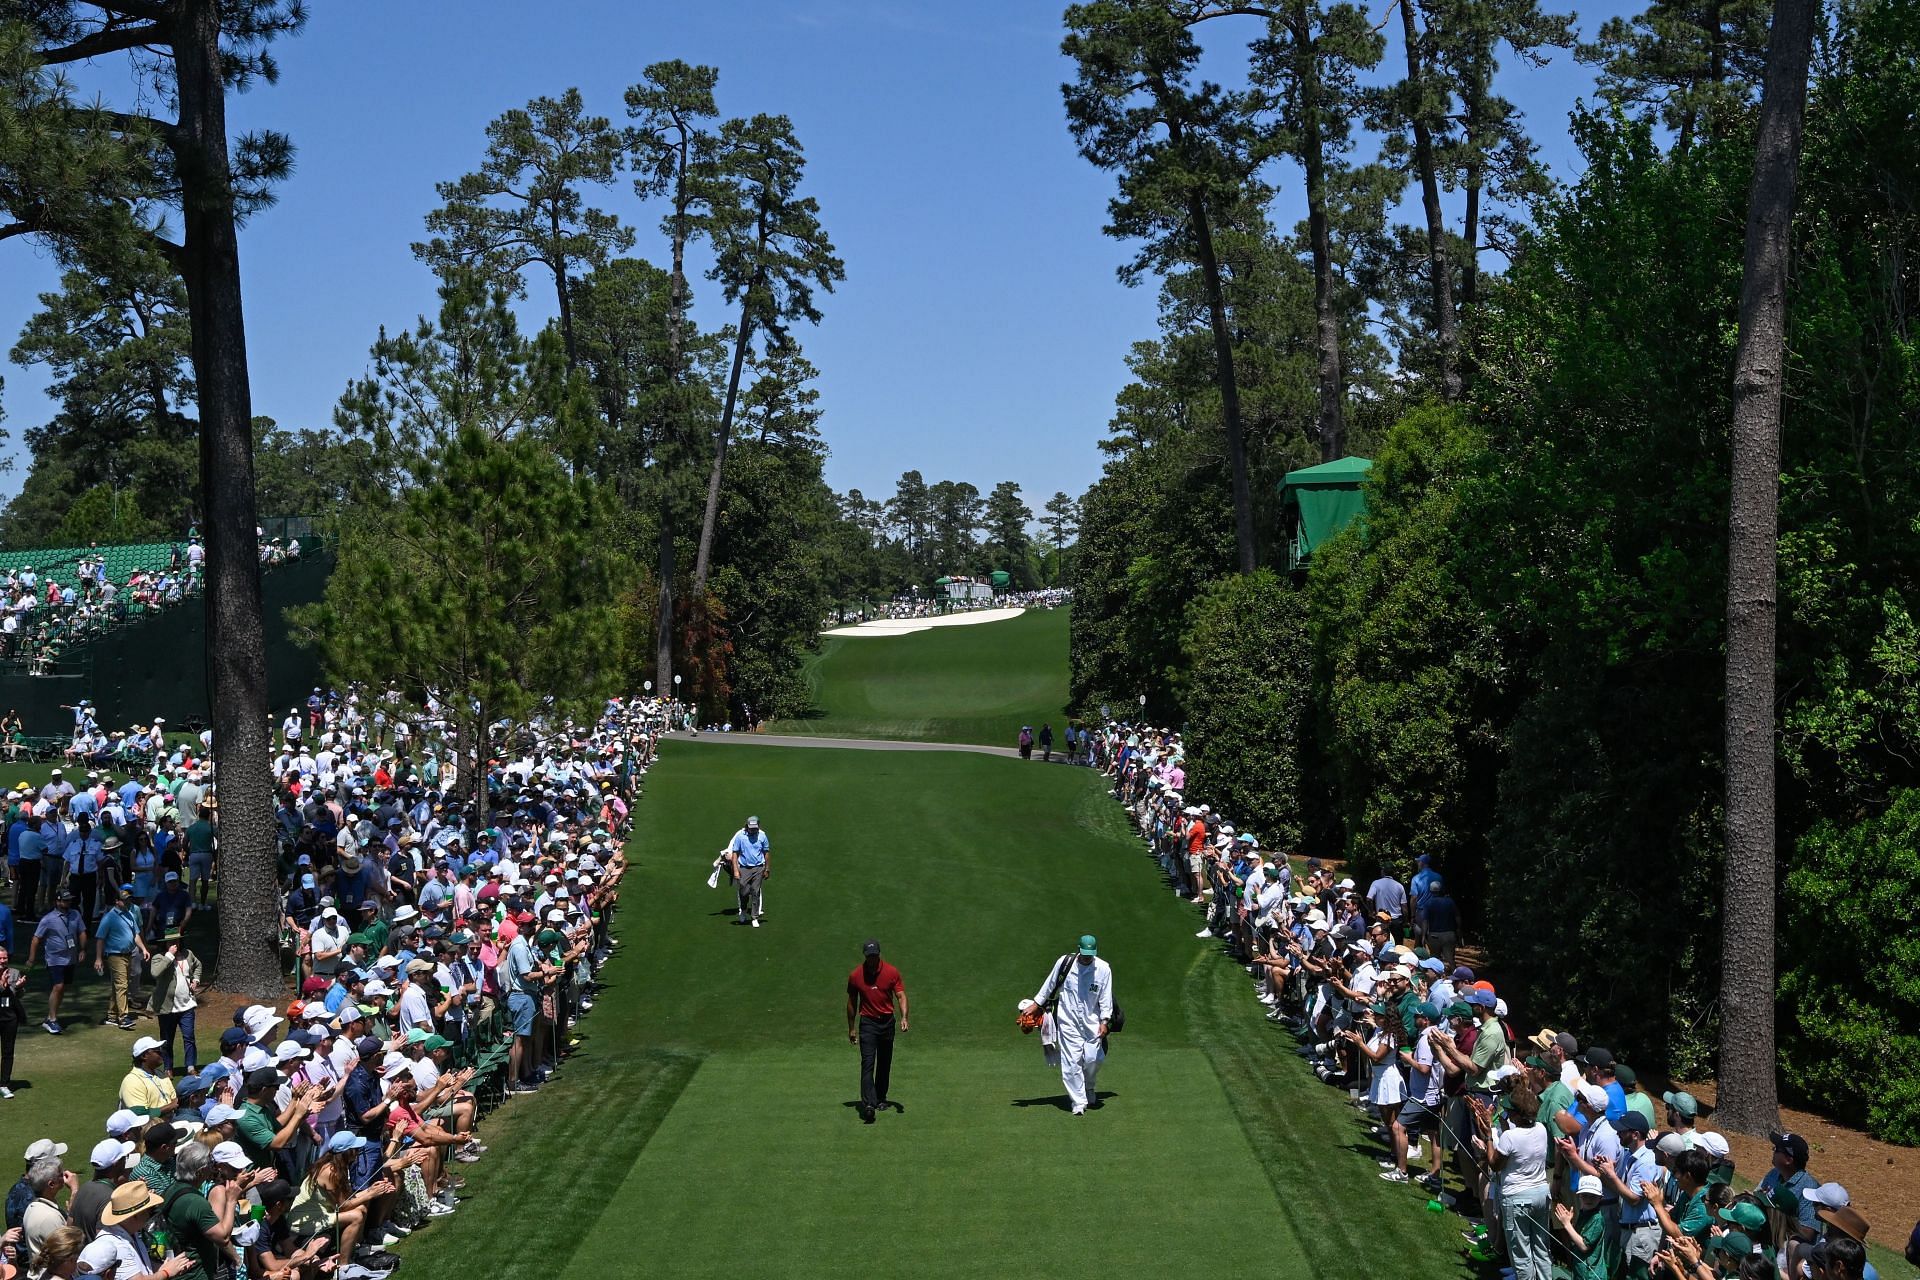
(872, 990)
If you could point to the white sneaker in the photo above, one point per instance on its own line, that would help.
(5, 1094)
(438, 1209)
(756, 923)
(1204, 933)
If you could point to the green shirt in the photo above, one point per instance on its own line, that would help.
(1689, 1212)
(1597, 1264)
(156, 1175)
(255, 1130)
(200, 836)
(189, 1218)
(1637, 1101)
(1489, 1052)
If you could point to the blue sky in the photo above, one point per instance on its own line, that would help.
(980, 332)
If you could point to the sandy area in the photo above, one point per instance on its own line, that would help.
(907, 626)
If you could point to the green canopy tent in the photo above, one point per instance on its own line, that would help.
(1321, 501)
(1000, 579)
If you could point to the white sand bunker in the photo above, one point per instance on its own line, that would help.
(907, 626)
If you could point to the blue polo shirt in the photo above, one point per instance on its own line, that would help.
(32, 845)
(118, 929)
(751, 847)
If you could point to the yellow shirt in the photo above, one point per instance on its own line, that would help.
(146, 1095)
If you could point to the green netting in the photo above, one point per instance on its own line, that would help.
(1328, 498)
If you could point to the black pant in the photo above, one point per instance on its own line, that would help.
(876, 1060)
(26, 887)
(9, 1027)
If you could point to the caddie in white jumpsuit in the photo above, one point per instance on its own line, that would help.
(1080, 1021)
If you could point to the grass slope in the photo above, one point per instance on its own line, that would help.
(705, 1127)
(947, 684)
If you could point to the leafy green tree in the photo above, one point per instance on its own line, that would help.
(910, 511)
(1006, 518)
(671, 107)
(307, 472)
(1062, 521)
(770, 254)
(1309, 60)
(525, 206)
(1247, 691)
(96, 184)
(469, 368)
(781, 405)
(1689, 65)
(1183, 153)
(957, 513)
(489, 583)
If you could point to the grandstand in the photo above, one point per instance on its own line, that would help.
(125, 625)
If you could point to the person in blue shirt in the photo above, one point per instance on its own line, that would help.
(747, 854)
(1790, 1171)
(115, 944)
(1420, 886)
(27, 853)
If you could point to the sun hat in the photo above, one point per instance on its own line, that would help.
(130, 1199)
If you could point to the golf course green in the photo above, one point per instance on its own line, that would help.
(975, 683)
(707, 1127)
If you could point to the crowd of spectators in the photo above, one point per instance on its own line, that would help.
(1561, 1161)
(44, 611)
(439, 953)
(937, 603)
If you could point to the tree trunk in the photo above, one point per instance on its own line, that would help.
(1474, 112)
(1229, 387)
(663, 628)
(1439, 270)
(1749, 1096)
(1331, 424)
(566, 303)
(676, 425)
(236, 640)
(703, 557)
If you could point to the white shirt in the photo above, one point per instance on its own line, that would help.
(1526, 1153)
(414, 1009)
(113, 1247)
(1086, 997)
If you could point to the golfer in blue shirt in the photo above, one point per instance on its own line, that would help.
(747, 855)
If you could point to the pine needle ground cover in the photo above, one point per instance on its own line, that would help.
(706, 1126)
(946, 684)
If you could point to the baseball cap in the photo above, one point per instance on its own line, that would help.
(1593, 1095)
(146, 1044)
(121, 1123)
(45, 1147)
(1737, 1243)
(1746, 1215)
(109, 1152)
(1671, 1144)
(1088, 946)
(1597, 1057)
(220, 1113)
(1830, 1195)
(366, 1045)
(871, 947)
(1683, 1102)
(1791, 1143)
(190, 1084)
(343, 1141)
(1589, 1185)
(232, 1036)
(230, 1155)
(1633, 1122)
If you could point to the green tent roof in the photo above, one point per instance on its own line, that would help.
(1328, 498)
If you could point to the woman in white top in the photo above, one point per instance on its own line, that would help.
(1387, 1088)
(1519, 1157)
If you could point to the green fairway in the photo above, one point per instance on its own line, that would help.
(947, 684)
(706, 1126)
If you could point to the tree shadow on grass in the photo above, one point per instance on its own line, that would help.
(1060, 1101)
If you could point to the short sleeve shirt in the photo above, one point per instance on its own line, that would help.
(875, 997)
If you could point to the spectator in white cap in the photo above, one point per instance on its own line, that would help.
(112, 1161)
(146, 1091)
(1583, 1228)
